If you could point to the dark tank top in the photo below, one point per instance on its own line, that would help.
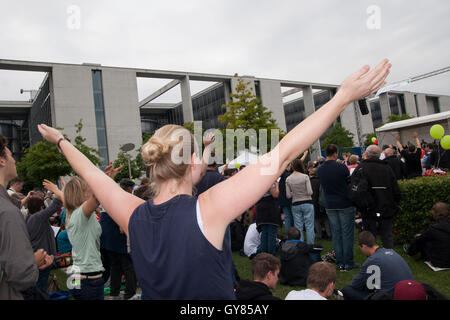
(171, 256)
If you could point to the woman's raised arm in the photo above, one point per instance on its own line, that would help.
(226, 200)
(117, 202)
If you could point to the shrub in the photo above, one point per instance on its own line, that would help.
(418, 196)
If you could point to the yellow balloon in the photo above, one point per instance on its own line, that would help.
(445, 142)
(437, 131)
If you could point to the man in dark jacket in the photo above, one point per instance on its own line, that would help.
(397, 166)
(265, 270)
(386, 194)
(19, 268)
(41, 232)
(295, 259)
(283, 201)
(434, 243)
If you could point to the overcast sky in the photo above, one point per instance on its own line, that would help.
(316, 41)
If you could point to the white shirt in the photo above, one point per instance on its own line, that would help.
(382, 156)
(307, 294)
(11, 191)
(252, 240)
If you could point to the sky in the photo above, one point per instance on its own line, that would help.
(311, 41)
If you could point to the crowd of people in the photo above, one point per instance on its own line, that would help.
(173, 235)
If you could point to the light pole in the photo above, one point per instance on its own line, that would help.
(125, 148)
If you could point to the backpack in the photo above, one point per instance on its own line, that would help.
(322, 201)
(360, 193)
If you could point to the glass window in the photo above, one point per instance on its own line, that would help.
(100, 116)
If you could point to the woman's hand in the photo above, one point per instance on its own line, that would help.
(50, 186)
(111, 171)
(210, 138)
(50, 134)
(364, 82)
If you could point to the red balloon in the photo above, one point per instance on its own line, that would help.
(376, 141)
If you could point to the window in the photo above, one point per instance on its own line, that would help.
(99, 108)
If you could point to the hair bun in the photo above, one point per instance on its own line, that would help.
(154, 150)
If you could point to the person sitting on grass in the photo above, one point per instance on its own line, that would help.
(434, 243)
(381, 271)
(295, 259)
(265, 270)
(320, 283)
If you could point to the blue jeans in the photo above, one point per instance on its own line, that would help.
(288, 218)
(268, 239)
(304, 215)
(342, 225)
(90, 289)
(42, 282)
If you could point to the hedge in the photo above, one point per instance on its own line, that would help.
(418, 196)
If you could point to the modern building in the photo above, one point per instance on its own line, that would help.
(106, 99)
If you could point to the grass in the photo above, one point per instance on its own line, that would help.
(422, 273)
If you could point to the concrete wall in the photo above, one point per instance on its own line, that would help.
(310, 108)
(444, 103)
(349, 122)
(73, 100)
(385, 106)
(122, 116)
(272, 99)
(422, 104)
(410, 104)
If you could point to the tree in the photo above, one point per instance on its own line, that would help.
(245, 111)
(339, 136)
(122, 160)
(395, 117)
(44, 161)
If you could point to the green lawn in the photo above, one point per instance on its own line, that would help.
(422, 273)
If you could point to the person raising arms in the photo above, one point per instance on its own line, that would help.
(177, 240)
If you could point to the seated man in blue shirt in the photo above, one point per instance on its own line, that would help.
(382, 270)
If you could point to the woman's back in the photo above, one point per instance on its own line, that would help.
(84, 235)
(299, 187)
(171, 256)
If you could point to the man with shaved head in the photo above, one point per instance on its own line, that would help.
(386, 193)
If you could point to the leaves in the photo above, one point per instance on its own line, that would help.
(418, 197)
(44, 161)
(339, 136)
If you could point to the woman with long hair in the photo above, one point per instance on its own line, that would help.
(177, 240)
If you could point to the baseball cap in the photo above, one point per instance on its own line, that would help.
(409, 290)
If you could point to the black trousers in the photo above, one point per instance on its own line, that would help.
(121, 264)
(382, 227)
(421, 247)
